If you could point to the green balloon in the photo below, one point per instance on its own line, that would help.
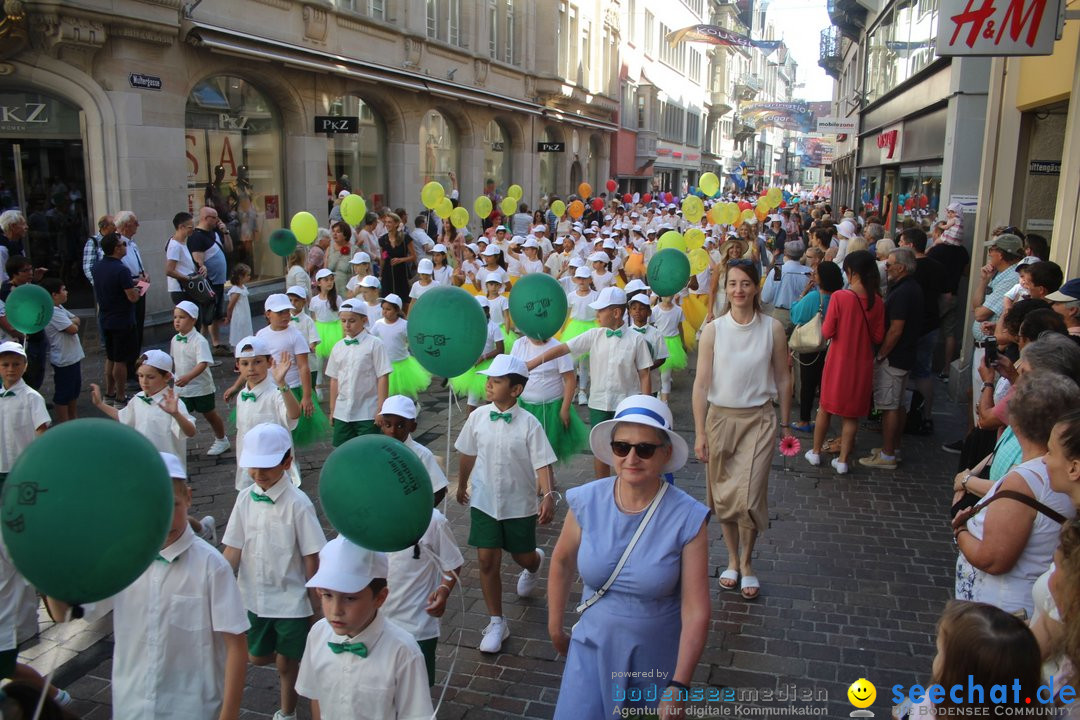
(447, 331)
(82, 534)
(669, 271)
(376, 492)
(538, 306)
(29, 308)
(282, 242)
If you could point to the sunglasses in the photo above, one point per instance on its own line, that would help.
(643, 450)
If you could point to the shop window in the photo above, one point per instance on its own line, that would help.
(497, 156)
(900, 46)
(357, 162)
(438, 149)
(233, 146)
(549, 166)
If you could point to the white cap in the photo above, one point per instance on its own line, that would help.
(609, 245)
(607, 217)
(634, 215)
(360, 258)
(323, 273)
(539, 228)
(369, 281)
(497, 276)
(492, 250)
(352, 306)
(425, 267)
(517, 240)
(576, 226)
(393, 299)
(846, 229)
(482, 301)
(590, 230)
(348, 568)
(298, 290)
(634, 286)
(636, 228)
(250, 347)
(577, 261)
(955, 207)
(277, 302)
(189, 308)
(482, 239)
(343, 193)
(439, 247)
(265, 446)
(174, 466)
(531, 243)
(599, 257)
(651, 231)
(501, 228)
(583, 272)
(671, 206)
(472, 246)
(158, 359)
(609, 296)
(504, 365)
(776, 218)
(400, 405)
(640, 410)
(12, 347)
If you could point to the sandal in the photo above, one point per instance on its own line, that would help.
(749, 588)
(732, 575)
(831, 446)
(803, 427)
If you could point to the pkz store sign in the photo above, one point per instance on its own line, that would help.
(999, 27)
(36, 114)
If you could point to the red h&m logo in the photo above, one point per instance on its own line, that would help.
(888, 140)
(1018, 14)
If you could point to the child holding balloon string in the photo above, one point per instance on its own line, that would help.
(471, 383)
(640, 312)
(408, 377)
(498, 307)
(668, 319)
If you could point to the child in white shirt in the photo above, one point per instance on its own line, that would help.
(424, 279)
(668, 319)
(194, 383)
(471, 383)
(582, 319)
(407, 376)
(65, 353)
(359, 372)
(238, 313)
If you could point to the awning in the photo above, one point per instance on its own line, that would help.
(232, 42)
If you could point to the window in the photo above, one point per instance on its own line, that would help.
(443, 20)
(497, 156)
(631, 21)
(377, 9)
(674, 57)
(509, 35)
(438, 149)
(493, 29)
(586, 52)
(357, 162)
(693, 128)
(454, 21)
(695, 66)
(900, 46)
(694, 5)
(628, 107)
(562, 41)
(672, 120)
(650, 33)
(432, 18)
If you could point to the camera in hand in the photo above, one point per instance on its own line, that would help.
(991, 348)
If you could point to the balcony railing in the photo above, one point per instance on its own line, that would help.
(848, 16)
(830, 54)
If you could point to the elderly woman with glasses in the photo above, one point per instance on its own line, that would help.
(641, 547)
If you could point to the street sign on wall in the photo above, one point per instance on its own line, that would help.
(999, 27)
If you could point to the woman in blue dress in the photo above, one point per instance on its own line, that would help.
(654, 618)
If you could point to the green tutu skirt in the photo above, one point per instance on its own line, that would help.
(575, 328)
(565, 441)
(471, 381)
(408, 377)
(329, 334)
(509, 338)
(310, 430)
(676, 359)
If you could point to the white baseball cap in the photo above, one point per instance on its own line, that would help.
(609, 296)
(504, 365)
(640, 410)
(360, 258)
(531, 243)
(590, 230)
(250, 347)
(343, 193)
(577, 262)
(517, 240)
(393, 299)
(352, 306)
(583, 272)
(348, 568)
(277, 302)
(472, 246)
(492, 250)
(324, 273)
(539, 228)
(298, 290)
(425, 267)
(501, 228)
(497, 276)
(174, 466)
(609, 245)
(369, 281)
(400, 405)
(189, 308)
(439, 247)
(599, 257)
(635, 285)
(12, 347)
(265, 446)
(158, 359)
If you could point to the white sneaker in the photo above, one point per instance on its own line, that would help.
(841, 468)
(320, 394)
(63, 698)
(209, 530)
(494, 634)
(219, 446)
(282, 716)
(526, 583)
(582, 398)
(812, 457)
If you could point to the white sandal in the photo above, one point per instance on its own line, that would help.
(732, 575)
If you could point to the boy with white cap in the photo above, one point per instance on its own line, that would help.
(504, 450)
(302, 321)
(23, 415)
(264, 398)
(360, 263)
(619, 360)
(359, 372)
(368, 292)
(357, 665)
(273, 538)
(581, 318)
(421, 578)
(425, 279)
(640, 312)
(178, 629)
(192, 360)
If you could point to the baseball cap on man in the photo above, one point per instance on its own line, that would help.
(1068, 292)
(1006, 242)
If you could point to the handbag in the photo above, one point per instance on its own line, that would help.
(198, 288)
(807, 338)
(626, 553)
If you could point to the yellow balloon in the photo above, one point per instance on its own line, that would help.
(762, 206)
(693, 214)
(699, 260)
(508, 206)
(515, 192)
(482, 206)
(775, 196)
(444, 208)
(353, 209)
(695, 238)
(748, 215)
(558, 208)
(305, 227)
(431, 194)
(731, 213)
(709, 183)
(671, 239)
(459, 216)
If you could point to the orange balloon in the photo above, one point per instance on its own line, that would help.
(584, 190)
(576, 209)
(761, 214)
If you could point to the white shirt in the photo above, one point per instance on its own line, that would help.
(357, 369)
(374, 314)
(483, 274)
(748, 347)
(18, 604)
(655, 340)
(525, 266)
(390, 683)
(427, 458)
(579, 305)
(169, 655)
(508, 454)
(158, 426)
(667, 321)
(298, 276)
(267, 406)
(395, 338)
(186, 355)
(443, 274)
(422, 243)
(417, 291)
(133, 259)
(494, 335)
(21, 415)
(303, 322)
(185, 264)
(557, 263)
(273, 539)
(545, 382)
(289, 340)
(412, 580)
(64, 348)
(602, 280)
(320, 308)
(498, 307)
(614, 363)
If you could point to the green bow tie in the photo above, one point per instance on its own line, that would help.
(616, 333)
(145, 399)
(259, 497)
(496, 416)
(641, 330)
(161, 559)
(352, 342)
(356, 648)
(9, 393)
(296, 318)
(248, 396)
(181, 338)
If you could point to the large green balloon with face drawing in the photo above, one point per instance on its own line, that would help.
(447, 331)
(538, 306)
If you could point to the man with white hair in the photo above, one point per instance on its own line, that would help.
(127, 224)
(12, 230)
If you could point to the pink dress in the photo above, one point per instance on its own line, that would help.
(854, 329)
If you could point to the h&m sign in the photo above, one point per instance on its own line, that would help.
(999, 27)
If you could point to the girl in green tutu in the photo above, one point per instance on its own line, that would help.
(582, 318)
(470, 383)
(408, 376)
(549, 396)
(668, 318)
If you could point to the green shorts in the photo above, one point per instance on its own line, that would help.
(345, 431)
(8, 658)
(199, 404)
(284, 636)
(428, 648)
(598, 416)
(515, 535)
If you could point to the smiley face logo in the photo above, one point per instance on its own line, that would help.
(538, 307)
(16, 495)
(862, 693)
(431, 343)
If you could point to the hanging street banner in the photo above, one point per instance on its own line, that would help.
(716, 35)
(797, 116)
(999, 28)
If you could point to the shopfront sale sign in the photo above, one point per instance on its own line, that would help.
(999, 27)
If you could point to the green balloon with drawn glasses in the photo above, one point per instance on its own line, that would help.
(538, 306)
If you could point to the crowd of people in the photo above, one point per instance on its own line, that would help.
(816, 306)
